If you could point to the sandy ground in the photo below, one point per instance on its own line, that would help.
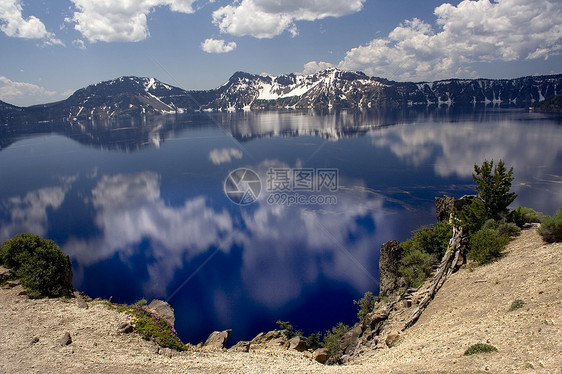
(471, 307)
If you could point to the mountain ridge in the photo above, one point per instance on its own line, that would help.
(330, 88)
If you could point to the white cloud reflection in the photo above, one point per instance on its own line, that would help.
(454, 147)
(284, 249)
(29, 213)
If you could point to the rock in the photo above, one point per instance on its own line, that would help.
(125, 328)
(444, 206)
(350, 339)
(110, 299)
(391, 339)
(33, 341)
(66, 339)
(321, 355)
(154, 349)
(167, 352)
(5, 273)
(23, 293)
(297, 343)
(11, 284)
(81, 303)
(274, 338)
(389, 263)
(218, 339)
(163, 309)
(375, 320)
(242, 346)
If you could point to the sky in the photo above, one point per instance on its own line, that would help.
(50, 48)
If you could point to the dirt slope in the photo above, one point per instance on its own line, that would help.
(471, 307)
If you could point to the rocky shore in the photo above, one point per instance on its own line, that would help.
(79, 335)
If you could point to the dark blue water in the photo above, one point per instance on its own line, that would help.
(140, 206)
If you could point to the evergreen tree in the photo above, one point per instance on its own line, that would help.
(493, 185)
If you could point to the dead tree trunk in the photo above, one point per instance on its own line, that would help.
(444, 271)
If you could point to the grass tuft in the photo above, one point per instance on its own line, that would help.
(480, 348)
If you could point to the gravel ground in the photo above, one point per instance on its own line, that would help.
(472, 307)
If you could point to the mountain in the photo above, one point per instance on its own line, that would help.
(334, 88)
(8, 112)
(125, 96)
(552, 104)
(331, 88)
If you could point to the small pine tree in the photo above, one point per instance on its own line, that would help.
(493, 185)
(366, 305)
(332, 338)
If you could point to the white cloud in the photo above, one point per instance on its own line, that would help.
(473, 31)
(217, 46)
(79, 43)
(269, 18)
(224, 155)
(119, 20)
(314, 67)
(21, 93)
(13, 24)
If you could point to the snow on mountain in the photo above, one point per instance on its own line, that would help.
(331, 88)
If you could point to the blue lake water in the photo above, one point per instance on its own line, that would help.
(140, 206)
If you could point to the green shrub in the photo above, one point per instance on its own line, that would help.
(486, 245)
(415, 267)
(366, 305)
(480, 348)
(153, 327)
(332, 338)
(523, 215)
(433, 239)
(141, 302)
(516, 304)
(503, 227)
(551, 228)
(42, 267)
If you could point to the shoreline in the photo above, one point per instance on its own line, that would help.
(471, 307)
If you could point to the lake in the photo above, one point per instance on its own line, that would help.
(243, 219)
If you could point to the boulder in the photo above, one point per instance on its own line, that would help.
(391, 339)
(376, 320)
(444, 206)
(81, 303)
(33, 341)
(218, 339)
(350, 339)
(66, 339)
(389, 263)
(11, 284)
(4, 274)
(125, 328)
(242, 346)
(298, 343)
(321, 355)
(163, 309)
(274, 338)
